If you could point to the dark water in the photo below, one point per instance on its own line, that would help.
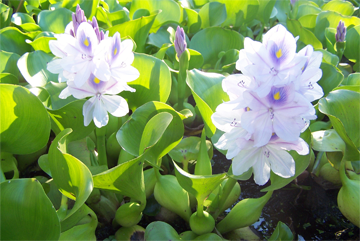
(310, 214)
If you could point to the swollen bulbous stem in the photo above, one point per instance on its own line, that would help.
(101, 145)
(229, 185)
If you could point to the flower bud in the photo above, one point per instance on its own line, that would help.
(340, 32)
(180, 41)
(78, 17)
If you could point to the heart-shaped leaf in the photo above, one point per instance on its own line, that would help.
(13, 40)
(212, 14)
(54, 21)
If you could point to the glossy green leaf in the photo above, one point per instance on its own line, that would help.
(306, 36)
(71, 176)
(331, 77)
(208, 94)
(308, 21)
(281, 232)
(25, 124)
(5, 15)
(33, 66)
(130, 134)
(9, 164)
(330, 40)
(198, 185)
(137, 29)
(212, 14)
(331, 19)
(160, 231)
(352, 50)
(306, 9)
(71, 116)
(196, 59)
(41, 43)
(194, 21)
(211, 41)
(283, 10)
(154, 83)
(21, 18)
(239, 13)
(42, 95)
(7, 78)
(301, 163)
(13, 40)
(26, 212)
(329, 57)
(126, 178)
(170, 11)
(265, 9)
(342, 107)
(8, 63)
(339, 6)
(188, 149)
(161, 37)
(89, 7)
(352, 79)
(54, 21)
(327, 141)
(54, 90)
(154, 129)
(85, 230)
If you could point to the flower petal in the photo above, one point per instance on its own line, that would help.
(115, 105)
(244, 160)
(261, 168)
(101, 117)
(88, 110)
(281, 162)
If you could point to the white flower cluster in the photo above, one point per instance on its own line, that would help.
(270, 105)
(93, 65)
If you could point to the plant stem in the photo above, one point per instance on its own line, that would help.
(183, 66)
(317, 162)
(101, 145)
(200, 208)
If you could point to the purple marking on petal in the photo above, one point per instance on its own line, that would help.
(278, 96)
(96, 84)
(85, 43)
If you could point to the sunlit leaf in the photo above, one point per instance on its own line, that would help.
(306, 36)
(339, 6)
(54, 21)
(212, 14)
(13, 40)
(331, 77)
(352, 50)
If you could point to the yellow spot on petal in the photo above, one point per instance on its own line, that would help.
(247, 109)
(277, 96)
(86, 42)
(115, 51)
(279, 53)
(96, 80)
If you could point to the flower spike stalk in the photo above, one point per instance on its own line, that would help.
(340, 39)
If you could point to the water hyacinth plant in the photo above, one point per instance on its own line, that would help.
(152, 119)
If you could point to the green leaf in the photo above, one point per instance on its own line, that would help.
(342, 107)
(42, 94)
(330, 40)
(196, 59)
(208, 94)
(7, 78)
(339, 6)
(329, 57)
(126, 178)
(203, 163)
(154, 83)
(327, 141)
(54, 21)
(54, 90)
(160, 231)
(137, 29)
(130, 134)
(331, 19)
(282, 232)
(89, 7)
(26, 212)
(5, 15)
(301, 163)
(25, 124)
(352, 50)
(331, 77)
(265, 9)
(212, 14)
(308, 21)
(305, 9)
(283, 10)
(198, 185)
(41, 43)
(211, 41)
(154, 129)
(33, 66)
(352, 79)
(13, 40)
(194, 21)
(170, 11)
(71, 116)
(188, 149)
(306, 36)
(70, 175)
(8, 63)
(21, 18)
(83, 231)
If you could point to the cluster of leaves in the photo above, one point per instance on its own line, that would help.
(39, 127)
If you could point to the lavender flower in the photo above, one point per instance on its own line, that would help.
(340, 32)
(78, 18)
(180, 41)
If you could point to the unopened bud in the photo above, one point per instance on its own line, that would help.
(180, 41)
(340, 32)
(78, 17)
